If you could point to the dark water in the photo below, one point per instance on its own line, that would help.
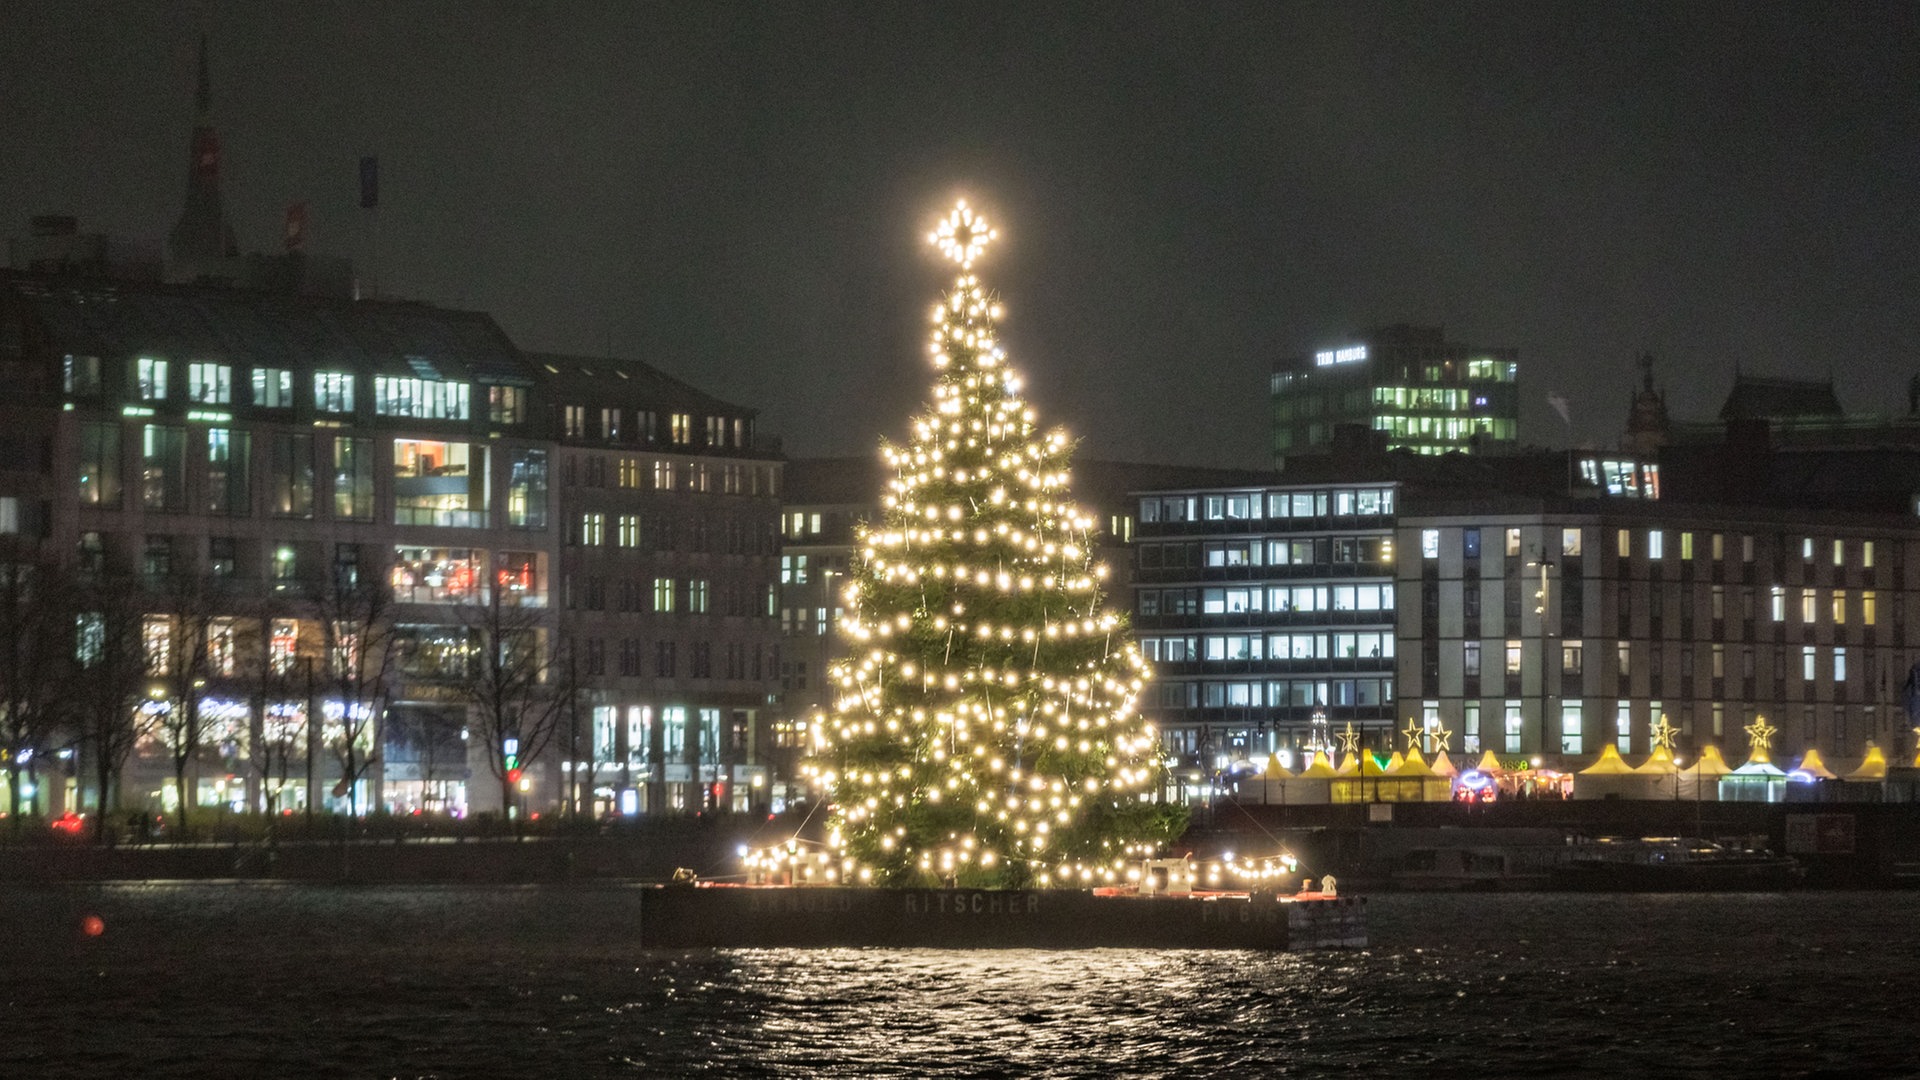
(220, 980)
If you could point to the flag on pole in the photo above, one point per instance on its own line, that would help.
(369, 182)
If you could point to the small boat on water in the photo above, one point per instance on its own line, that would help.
(1673, 864)
(793, 899)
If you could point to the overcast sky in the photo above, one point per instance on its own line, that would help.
(738, 194)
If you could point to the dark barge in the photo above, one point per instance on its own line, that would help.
(683, 917)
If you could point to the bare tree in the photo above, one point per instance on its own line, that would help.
(279, 739)
(182, 658)
(357, 670)
(521, 688)
(109, 685)
(36, 631)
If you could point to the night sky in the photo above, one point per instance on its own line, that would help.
(738, 194)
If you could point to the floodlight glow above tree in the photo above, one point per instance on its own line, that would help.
(983, 729)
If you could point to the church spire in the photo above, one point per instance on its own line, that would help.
(202, 236)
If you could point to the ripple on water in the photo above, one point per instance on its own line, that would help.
(196, 980)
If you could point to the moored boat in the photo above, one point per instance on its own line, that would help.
(1676, 864)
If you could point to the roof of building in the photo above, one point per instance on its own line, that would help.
(193, 322)
(1755, 397)
(594, 379)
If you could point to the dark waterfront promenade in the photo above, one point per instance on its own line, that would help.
(1842, 845)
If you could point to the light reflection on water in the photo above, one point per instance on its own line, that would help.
(245, 980)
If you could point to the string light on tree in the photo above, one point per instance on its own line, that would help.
(983, 728)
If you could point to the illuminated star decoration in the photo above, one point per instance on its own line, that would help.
(1350, 739)
(1413, 733)
(1664, 733)
(1760, 737)
(963, 235)
(1441, 737)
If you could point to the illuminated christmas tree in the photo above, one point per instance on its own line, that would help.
(983, 730)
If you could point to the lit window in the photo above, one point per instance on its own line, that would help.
(1513, 657)
(1839, 607)
(1513, 543)
(610, 424)
(592, 529)
(81, 375)
(1719, 546)
(698, 591)
(1572, 658)
(507, 404)
(1808, 602)
(1512, 728)
(210, 384)
(1656, 544)
(150, 378)
(1806, 548)
(1840, 663)
(1866, 554)
(1571, 739)
(1839, 553)
(682, 428)
(1807, 662)
(1570, 542)
(1867, 605)
(662, 594)
(420, 399)
(273, 388)
(1624, 541)
(1430, 543)
(1686, 546)
(1779, 604)
(574, 420)
(629, 530)
(333, 391)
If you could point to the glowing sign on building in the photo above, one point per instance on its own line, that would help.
(1352, 354)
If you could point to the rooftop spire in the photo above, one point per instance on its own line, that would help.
(203, 94)
(202, 235)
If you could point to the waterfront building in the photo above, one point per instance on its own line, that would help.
(669, 510)
(1409, 384)
(1540, 605)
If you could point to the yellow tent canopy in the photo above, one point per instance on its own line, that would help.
(1489, 764)
(1658, 763)
(1318, 769)
(1610, 764)
(1811, 764)
(1444, 766)
(1872, 767)
(1413, 765)
(1277, 771)
(1352, 765)
(1710, 763)
(1394, 762)
(1370, 765)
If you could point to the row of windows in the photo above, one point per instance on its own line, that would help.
(1573, 660)
(665, 596)
(1181, 648)
(1272, 694)
(1277, 598)
(615, 425)
(434, 483)
(211, 383)
(1254, 505)
(1319, 551)
(661, 532)
(640, 474)
(1653, 545)
(737, 660)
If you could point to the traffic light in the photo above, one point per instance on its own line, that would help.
(513, 775)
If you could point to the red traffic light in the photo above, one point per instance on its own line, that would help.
(513, 776)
